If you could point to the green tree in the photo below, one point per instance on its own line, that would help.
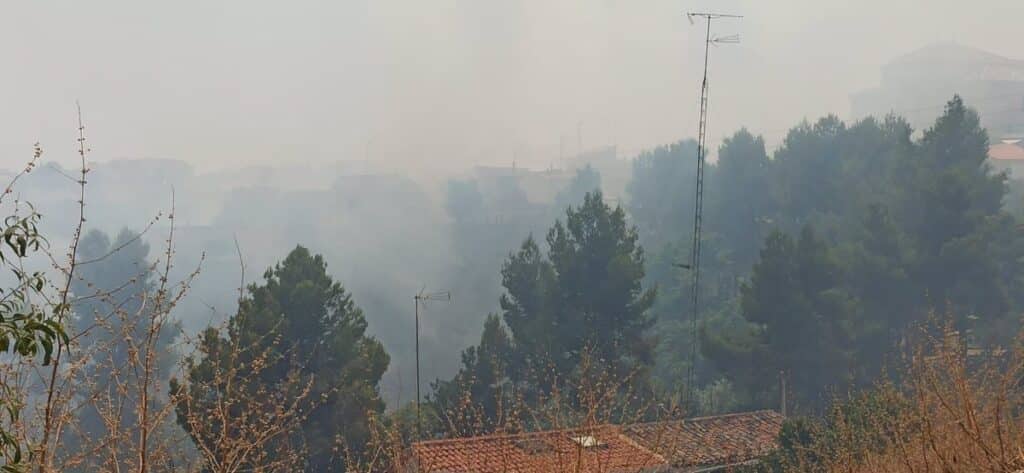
(662, 190)
(853, 426)
(952, 208)
(111, 316)
(26, 329)
(315, 336)
(903, 228)
(585, 294)
(482, 380)
(739, 198)
(808, 172)
(803, 313)
(875, 263)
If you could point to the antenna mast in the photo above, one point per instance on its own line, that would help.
(422, 298)
(698, 217)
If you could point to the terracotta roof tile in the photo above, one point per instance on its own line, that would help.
(548, 451)
(705, 441)
(1006, 152)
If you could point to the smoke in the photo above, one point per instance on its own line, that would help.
(421, 85)
(269, 116)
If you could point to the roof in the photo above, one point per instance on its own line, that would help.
(708, 441)
(705, 441)
(1006, 151)
(945, 52)
(602, 448)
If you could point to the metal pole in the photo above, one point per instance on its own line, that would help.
(782, 391)
(698, 221)
(698, 217)
(419, 427)
(423, 297)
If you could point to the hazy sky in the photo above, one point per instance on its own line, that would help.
(448, 82)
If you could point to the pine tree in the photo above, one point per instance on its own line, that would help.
(315, 336)
(585, 294)
(483, 380)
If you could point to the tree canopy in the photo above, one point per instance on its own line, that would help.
(308, 332)
(822, 255)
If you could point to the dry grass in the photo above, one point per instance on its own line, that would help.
(963, 411)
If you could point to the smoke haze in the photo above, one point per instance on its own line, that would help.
(441, 84)
(266, 118)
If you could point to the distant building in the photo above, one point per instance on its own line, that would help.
(1008, 155)
(538, 186)
(599, 158)
(702, 444)
(918, 84)
(615, 173)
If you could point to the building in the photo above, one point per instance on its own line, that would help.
(1008, 155)
(602, 448)
(711, 443)
(703, 444)
(918, 84)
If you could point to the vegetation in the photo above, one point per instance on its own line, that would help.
(304, 340)
(826, 260)
(954, 410)
(865, 232)
(111, 304)
(584, 294)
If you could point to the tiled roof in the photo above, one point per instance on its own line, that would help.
(1006, 151)
(706, 441)
(559, 451)
(699, 442)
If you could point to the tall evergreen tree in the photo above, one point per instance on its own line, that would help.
(661, 192)
(483, 380)
(738, 198)
(904, 228)
(808, 170)
(585, 294)
(314, 333)
(876, 262)
(952, 205)
(796, 297)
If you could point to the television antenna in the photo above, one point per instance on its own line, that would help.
(698, 217)
(422, 298)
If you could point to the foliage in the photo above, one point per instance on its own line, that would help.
(482, 379)
(661, 192)
(820, 258)
(736, 203)
(111, 313)
(304, 342)
(795, 294)
(956, 410)
(585, 290)
(25, 328)
(583, 296)
(30, 326)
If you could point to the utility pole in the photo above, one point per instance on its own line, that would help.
(782, 392)
(422, 298)
(698, 218)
